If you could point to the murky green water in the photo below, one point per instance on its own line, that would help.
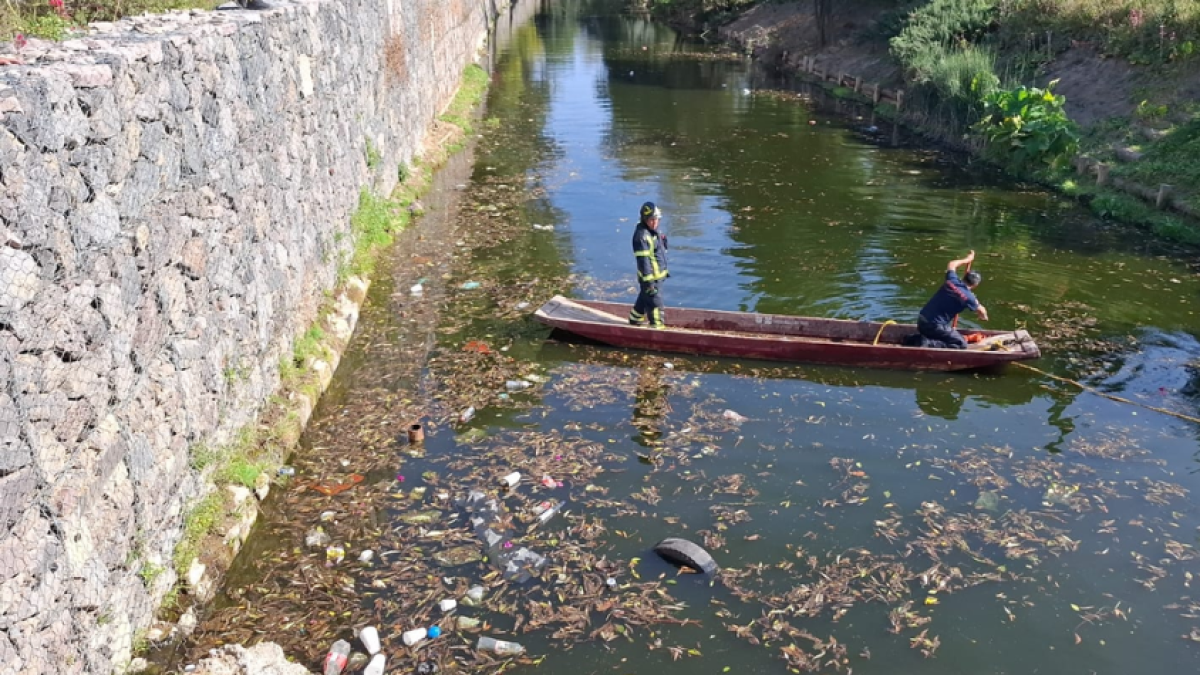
(846, 493)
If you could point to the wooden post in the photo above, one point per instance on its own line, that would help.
(899, 100)
(807, 67)
(1164, 191)
(1101, 174)
(875, 94)
(841, 78)
(858, 84)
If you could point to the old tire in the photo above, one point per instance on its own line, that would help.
(685, 553)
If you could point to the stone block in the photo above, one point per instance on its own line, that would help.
(9, 104)
(88, 76)
(97, 223)
(16, 491)
(171, 294)
(20, 280)
(194, 258)
(93, 162)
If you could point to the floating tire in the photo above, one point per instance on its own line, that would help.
(684, 553)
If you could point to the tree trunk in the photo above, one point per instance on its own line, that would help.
(822, 10)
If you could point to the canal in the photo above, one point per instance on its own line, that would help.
(877, 521)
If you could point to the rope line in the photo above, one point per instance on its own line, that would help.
(1112, 397)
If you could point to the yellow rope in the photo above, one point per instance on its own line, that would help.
(885, 325)
(1118, 399)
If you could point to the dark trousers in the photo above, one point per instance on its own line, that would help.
(649, 305)
(941, 332)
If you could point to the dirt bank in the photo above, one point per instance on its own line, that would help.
(1123, 110)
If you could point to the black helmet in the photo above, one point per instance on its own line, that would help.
(649, 210)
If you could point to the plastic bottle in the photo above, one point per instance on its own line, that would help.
(549, 513)
(542, 507)
(467, 414)
(448, 605)
(434, 631)
(517, 385)
(474, 596)
(335, 660)
(376, 666)
(611, 583)
(412, 637)
(370, 639)
(366, 556)
(501, 647)
(511, 479)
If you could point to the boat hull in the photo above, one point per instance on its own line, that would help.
(777, 337)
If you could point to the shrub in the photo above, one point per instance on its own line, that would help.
(963, 74)
(1026, 127)
(943, 23)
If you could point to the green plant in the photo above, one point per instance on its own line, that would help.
(1146, 111)
(47, 26)
(372, 225)
(945, 24)
(962, 74)
(470, 92)
(198, 522)
(141, 643)
(203, 456)
(150, 573)
(373, 156)
(1026, 127)
(241, 463)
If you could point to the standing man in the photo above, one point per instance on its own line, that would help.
(936, 321)
(650, 251)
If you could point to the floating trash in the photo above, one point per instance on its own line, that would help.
(334, 555)
(988, 501)
(457, 556)
(316, 538)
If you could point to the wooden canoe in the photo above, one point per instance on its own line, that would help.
(777, 337)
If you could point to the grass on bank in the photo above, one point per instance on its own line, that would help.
(1142, 31)
(461, 111)
(1173, 160)
(1113, 205)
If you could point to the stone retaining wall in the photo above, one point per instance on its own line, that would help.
(175, 194)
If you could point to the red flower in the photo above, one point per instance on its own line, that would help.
(19, 41)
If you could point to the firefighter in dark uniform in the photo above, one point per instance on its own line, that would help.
(650, 251)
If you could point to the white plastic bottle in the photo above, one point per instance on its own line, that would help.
(412, 637)
(370, 639)
(549, 513)
(511, 479)
(501, 647)
(376, 666)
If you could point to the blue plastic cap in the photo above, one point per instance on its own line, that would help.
(434, 631)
